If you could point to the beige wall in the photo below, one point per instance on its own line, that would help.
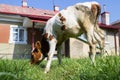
(13, 51)
(78, 49)
(110, 43)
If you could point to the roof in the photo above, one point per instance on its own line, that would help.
(116, 22)
(26, 11)
(108, 26)
(37, 15)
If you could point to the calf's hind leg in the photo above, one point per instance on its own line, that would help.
(92, 45)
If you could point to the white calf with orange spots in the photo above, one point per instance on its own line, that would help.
(73, 22)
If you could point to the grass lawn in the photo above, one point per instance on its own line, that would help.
(70, 69)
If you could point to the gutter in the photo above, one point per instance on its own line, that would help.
(43, 17)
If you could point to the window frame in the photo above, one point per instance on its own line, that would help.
(12, 32)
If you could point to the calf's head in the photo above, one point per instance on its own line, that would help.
(36, 54)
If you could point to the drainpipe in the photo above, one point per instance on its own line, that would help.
(119, 40)
(115, 43)
(33, 34)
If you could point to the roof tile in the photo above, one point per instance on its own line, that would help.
(8, 9)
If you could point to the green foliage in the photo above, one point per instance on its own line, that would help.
(71, 69)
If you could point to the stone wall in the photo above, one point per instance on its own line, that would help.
(77, 49)
(14, 51)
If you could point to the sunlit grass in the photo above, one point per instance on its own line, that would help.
(70, 69)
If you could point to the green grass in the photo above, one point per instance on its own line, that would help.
(70, 69)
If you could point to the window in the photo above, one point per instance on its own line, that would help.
(18, 35)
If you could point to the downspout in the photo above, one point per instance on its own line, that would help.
(119, 39)
(115, 43)
(33, 34)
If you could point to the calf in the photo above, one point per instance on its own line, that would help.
(72, 22)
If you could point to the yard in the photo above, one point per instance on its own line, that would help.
(71, 69)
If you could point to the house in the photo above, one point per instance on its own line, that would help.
(112, 34)
(112, 40)
(21, 26)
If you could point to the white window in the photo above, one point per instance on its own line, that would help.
(18, 34)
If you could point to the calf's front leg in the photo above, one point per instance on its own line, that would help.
(52, 44)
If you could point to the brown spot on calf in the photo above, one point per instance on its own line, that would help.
(59, 15)
(51, 37)
(62, 18)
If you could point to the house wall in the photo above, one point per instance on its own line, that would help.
(117, 23)
(117, 43)
(77, 49)
(9, 50)
(73, 49)
(4, 33)
(110, 42)
(14, 51)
